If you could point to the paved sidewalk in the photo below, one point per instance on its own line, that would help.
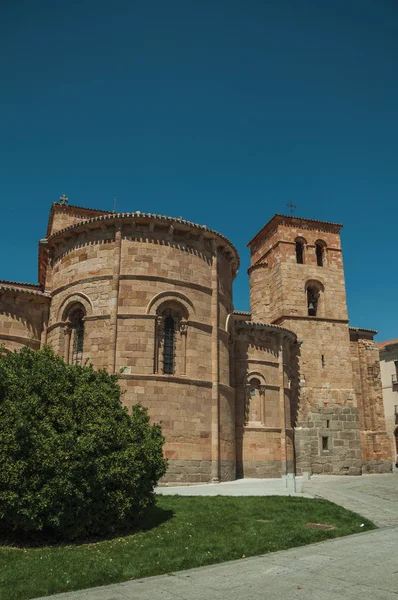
(363, 566)
(372, 496)
(240, 487)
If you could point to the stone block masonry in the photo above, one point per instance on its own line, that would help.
(259, 394)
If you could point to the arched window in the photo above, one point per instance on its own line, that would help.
(315, 298)
(169, 345)
(171, 339)
(77, 326)
(300, 243)
(320, 253)
(254, 406)
(299, 252)
(74, 333)
(312, 301)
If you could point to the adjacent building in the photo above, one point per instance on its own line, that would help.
(389, 379)
(288, 387)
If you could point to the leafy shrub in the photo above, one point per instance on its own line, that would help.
(73, 462)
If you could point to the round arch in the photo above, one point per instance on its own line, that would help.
(255, 375)
(75, 299)
(165, 299)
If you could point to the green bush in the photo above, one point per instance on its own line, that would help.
(73, 462)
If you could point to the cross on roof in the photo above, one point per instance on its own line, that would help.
(64, 199)
(291, 206)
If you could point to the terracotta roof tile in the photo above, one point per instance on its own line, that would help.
(9, 287)
(383, 345)
(21, 283)
(363, 329)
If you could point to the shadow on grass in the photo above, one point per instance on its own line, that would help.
(152, 518)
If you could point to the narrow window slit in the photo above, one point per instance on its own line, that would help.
(319, 255)
(169, 340)
(299, 253)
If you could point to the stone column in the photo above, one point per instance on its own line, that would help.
(282, 407)
(215, 412)
(158, 338)
(184, 334)
(67, 343)
(44, 325)
(114, 298)
(261, 391)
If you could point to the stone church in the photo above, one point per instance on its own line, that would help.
(288, 387)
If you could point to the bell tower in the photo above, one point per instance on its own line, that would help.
(297, 281)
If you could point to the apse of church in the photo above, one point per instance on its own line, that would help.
(261, 394)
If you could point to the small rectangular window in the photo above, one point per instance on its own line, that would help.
(325, 443)
(327, 424)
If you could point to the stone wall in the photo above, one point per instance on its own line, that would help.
(23, 314)
(126, 272)
(388, 368)
(376, 448)
(262, 381)
(328, 441)
(283, 392)
(278, 289)
(325, 383)
(63, 216)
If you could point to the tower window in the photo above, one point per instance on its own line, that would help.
(312, 301)
(299, 253)
(325, 443)
(169, 341)
(319, 255)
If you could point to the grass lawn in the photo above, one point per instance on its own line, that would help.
(179, 533)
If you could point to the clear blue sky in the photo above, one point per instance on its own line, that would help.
(220, 111)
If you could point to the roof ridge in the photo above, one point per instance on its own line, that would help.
(308, 219)
(37, 285)
(101, 210)
(21, 290)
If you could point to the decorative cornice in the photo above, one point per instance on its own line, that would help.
(22, 284)
(20, 340)
(13, 289)
(168, 280)
(173, 379)
(266, 327)
(362, 329)
(261, 265)
(308, 318)
(174, 222)
(93, 279)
